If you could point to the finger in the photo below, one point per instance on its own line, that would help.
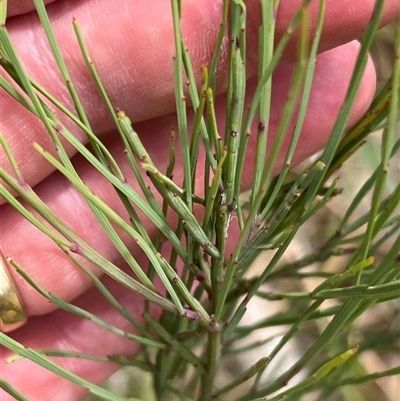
(49, 266)
(65, 331)
(61, 330)
(134, 58)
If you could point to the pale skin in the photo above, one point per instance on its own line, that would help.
(135, 62)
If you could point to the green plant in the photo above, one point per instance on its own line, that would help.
(200, 324)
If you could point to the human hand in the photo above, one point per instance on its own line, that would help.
(133, 48)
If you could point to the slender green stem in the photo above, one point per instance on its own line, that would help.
(180, 100)
(281, 132)
(8, 388)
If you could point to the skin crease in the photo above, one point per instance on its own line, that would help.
(44, 261)
(19, 7)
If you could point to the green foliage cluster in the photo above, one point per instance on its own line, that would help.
(201, 324)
